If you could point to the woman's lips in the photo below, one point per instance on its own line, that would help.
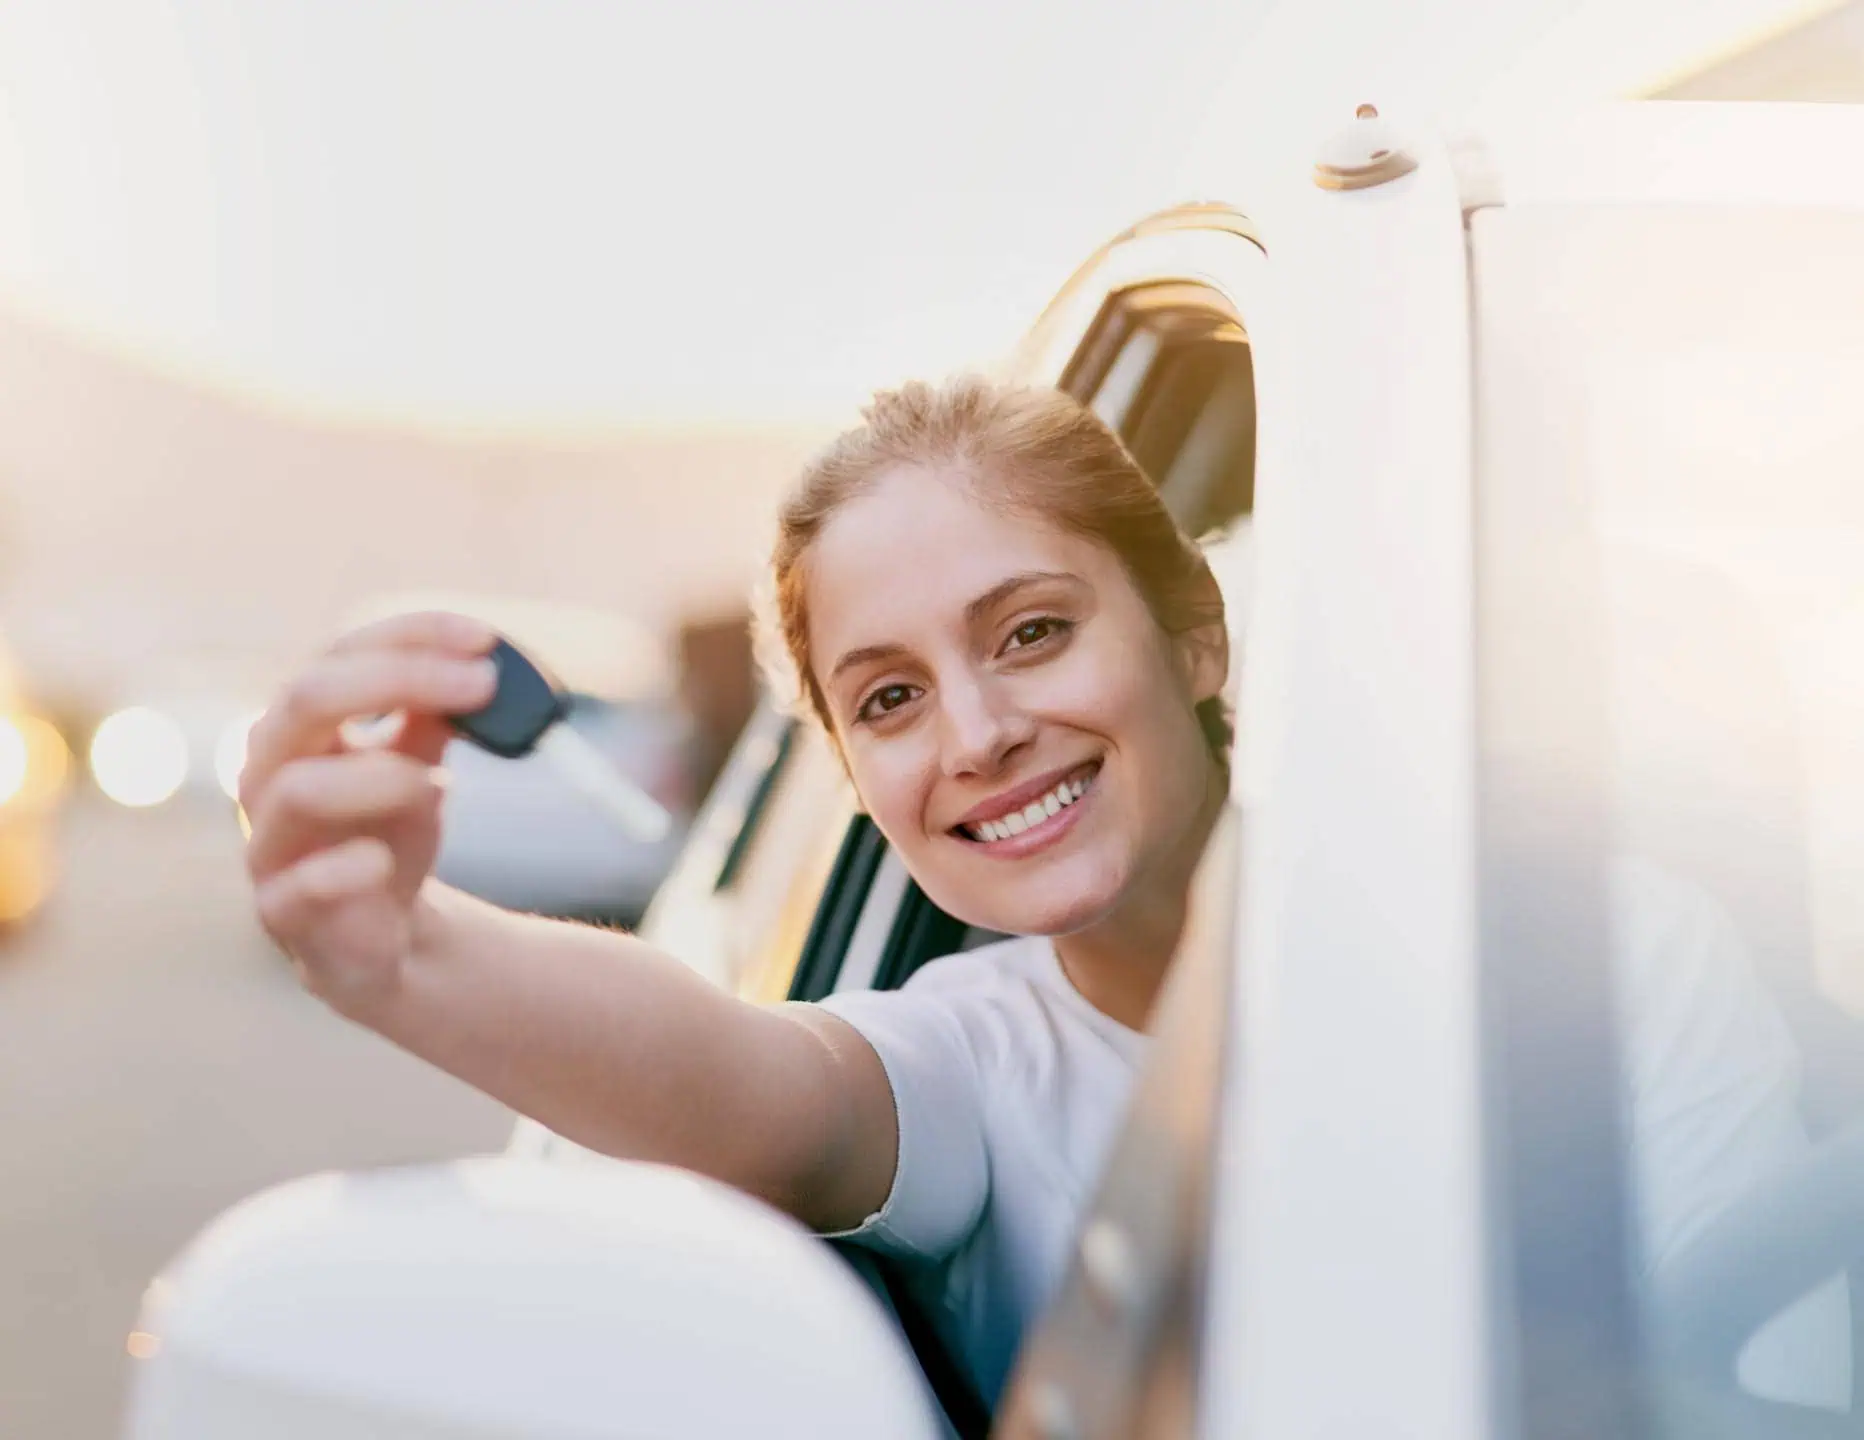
(1039, 823)
(1020, 797)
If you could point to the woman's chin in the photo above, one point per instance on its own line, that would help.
(1048, 905)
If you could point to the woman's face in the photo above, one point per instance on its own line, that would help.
(1016, 722)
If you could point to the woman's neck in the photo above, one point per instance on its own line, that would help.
(1119, 964)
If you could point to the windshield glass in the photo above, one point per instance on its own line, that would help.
(1671, 563)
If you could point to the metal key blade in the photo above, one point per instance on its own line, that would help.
(641, 817)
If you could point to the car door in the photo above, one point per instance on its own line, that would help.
(1667, 321)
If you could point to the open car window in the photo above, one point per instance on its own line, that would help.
(1168, 366)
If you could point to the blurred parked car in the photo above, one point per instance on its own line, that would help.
(516, 832)
(1557, 575)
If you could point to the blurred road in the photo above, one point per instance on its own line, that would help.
(158, 1062)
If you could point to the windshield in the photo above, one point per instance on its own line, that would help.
(1671, 565)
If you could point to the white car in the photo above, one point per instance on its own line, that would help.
(1547, 562)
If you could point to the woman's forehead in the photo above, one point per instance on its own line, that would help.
(912, 552)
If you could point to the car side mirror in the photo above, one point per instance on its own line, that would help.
(493, 1299)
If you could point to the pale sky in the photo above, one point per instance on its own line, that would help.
(551, 215)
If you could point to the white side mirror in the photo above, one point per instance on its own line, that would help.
(500, 1299)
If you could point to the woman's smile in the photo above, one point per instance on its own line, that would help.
(1031, 816)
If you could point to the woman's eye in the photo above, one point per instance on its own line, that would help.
(886, 699)
(1034, 632)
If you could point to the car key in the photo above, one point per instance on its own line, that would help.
(525, 714)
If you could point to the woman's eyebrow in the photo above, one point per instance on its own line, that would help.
(977, 609)
(1003, 589)
(864, 656)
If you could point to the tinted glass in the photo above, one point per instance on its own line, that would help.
(1169, 367)
(1671, 569)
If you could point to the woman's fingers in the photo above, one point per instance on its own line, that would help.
(331, 912)
(311, 802)
(424, 738)
(352, 683)
(357, 867)
(438, 630)
(341, 838)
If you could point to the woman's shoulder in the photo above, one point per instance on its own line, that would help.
(984, 999)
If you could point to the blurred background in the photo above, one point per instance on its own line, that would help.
(310, 312)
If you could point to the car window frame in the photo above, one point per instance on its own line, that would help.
(1544, 830)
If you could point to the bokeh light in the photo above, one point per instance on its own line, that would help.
(230, 754)
(139, 757)
(48, 759)
(15, 760)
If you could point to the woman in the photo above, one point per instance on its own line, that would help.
(1020, 659)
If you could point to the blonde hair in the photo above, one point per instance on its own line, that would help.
(1035, 452)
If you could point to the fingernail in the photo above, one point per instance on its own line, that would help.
(440, 777)
(371, 732)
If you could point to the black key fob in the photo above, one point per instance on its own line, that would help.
(523, 707)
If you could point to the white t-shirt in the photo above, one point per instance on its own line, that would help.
(1010, 1088)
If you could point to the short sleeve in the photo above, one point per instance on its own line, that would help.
(942, 1177)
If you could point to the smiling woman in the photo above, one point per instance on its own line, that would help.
(1019, 656)
(985, 602)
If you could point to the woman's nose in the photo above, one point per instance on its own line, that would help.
(980, 728)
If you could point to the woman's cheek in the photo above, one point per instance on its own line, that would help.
(891, 779)
(1078, 687)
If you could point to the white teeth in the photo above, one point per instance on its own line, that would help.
(1053, 803)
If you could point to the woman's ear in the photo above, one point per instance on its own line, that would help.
(1204, 659)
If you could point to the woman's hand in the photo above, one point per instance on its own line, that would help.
(344, 837)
